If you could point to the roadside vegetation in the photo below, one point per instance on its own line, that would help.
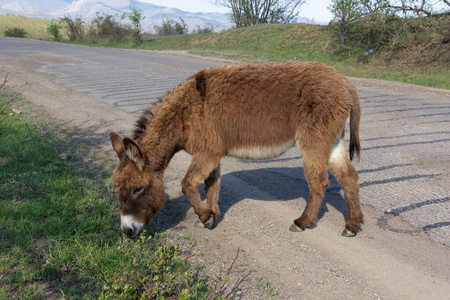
(34, 28)
(59, 233)
(303, 42)
(423, 63)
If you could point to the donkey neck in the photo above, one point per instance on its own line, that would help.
(162, 136)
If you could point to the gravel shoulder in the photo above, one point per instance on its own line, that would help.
(316, 264)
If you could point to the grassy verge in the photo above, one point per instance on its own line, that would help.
(55, 216)
(295, 42)
(59, 233)
(45, 205)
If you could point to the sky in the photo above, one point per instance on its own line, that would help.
(313, 9)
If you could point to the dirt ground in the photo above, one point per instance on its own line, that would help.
(273, 262)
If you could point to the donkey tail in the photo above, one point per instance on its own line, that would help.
(355, 116)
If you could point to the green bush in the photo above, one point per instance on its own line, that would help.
(53, 30)
(205, 29)
(109, 28)
(171, 27)
(15, 32)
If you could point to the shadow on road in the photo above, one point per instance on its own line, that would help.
(267, 184)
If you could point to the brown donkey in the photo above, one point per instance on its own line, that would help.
(246, 111)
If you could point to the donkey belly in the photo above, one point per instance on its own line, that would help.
(260, 152)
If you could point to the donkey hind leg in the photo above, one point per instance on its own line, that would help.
(344, 171)
(315, 168)
(200, 170)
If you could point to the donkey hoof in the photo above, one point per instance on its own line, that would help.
(348, 233)
(295, 228)
(199, 224)
(208, 224)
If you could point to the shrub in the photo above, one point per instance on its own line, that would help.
(15, 32)
(75, 27)
(53, 30)
(108, 27)
(171, 27)
(208, 28)
(405, 32)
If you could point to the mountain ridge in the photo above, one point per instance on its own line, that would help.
(87, 9)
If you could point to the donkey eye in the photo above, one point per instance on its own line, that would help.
(137, 192)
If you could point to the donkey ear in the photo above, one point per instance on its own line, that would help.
(134, 153)
(117, 142)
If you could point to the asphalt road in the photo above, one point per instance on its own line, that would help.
(405, 130)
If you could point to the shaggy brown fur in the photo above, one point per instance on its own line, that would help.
(248, 111)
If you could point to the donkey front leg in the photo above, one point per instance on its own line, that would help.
(212, 187)
(201, 168)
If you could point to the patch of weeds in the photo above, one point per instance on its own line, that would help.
(265, 288)
(161, 273)
(185, 237)
(6, 102)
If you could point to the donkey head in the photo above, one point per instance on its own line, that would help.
(141, 191)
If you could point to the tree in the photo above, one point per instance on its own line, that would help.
(75, 27)
(252, 12)
(345, 11)
(136, 17)
(406, 7)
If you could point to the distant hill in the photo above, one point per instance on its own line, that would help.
(87, 9)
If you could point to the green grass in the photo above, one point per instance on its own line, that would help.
(267, 43)
(54, 213)
(35, 28)
(59, 224)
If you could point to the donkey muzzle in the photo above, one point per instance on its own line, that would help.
(130, 226)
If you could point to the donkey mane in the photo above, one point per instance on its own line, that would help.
(146, 119)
